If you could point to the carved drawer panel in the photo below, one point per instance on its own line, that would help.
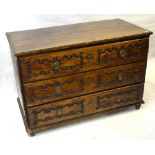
(78, 106)
(69, 86)
(66, 62)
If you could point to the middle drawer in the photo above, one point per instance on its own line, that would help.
(83, 83)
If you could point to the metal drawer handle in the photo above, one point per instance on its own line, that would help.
(123, 53)
(59, 112)
(90, 56)
(57, 89)
(120, 77)
(90, 81)
(56, 65)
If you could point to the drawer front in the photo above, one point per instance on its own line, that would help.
(83, 83)
(67, 62)
(79, 106)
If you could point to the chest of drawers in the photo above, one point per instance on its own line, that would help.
(70, 72)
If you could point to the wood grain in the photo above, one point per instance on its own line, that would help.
(79, 84)
(69, 36)
(75, 107)
(71, 72)
(56, 64)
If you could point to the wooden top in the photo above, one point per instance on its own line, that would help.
(75, 35)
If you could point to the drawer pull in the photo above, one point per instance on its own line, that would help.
(56, 65)
(59, 112)
(90, 81)
(90, 56)
(123, 53)
(57, 90)
(120, 77)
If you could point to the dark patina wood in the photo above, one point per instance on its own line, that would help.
(70, 72)
(70, 108)
(75, 35)
(84, 59)
(79, 84)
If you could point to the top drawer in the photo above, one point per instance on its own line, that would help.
(54, 64)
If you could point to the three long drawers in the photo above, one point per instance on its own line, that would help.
(66, 73)
(70, 84)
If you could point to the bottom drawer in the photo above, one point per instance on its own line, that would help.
(83, 105)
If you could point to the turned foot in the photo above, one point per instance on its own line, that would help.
(137, 106)
(32, 134)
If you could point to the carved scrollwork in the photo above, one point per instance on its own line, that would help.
(51, 113)
(55, 89)
(123, 75)
(123, 52)
(55, 63)
(35, 68)
(117, 98)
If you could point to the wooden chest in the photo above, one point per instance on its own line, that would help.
(70, 72)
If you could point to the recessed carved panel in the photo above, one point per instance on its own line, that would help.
(120, 53)
(123, 75)
(115, 99)
(56, 113)
(52, 90)
(54, 65)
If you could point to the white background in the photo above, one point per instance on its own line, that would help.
(126, 132)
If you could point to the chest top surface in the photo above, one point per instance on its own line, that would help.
(75, 35)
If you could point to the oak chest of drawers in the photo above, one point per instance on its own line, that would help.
(70, 72)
